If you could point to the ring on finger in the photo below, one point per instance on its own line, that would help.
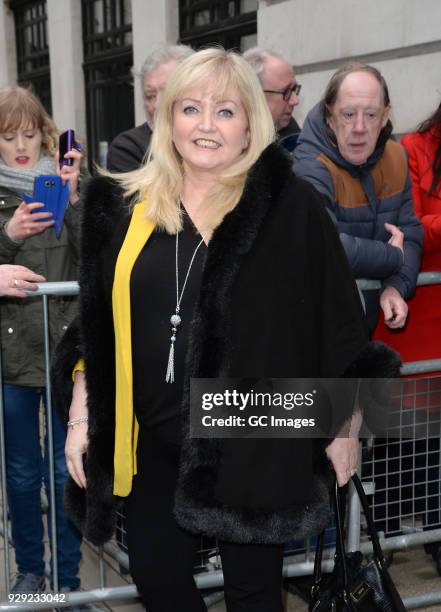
(15, 282)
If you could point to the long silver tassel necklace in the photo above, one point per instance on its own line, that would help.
(175, 319)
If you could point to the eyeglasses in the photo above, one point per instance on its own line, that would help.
(286, 93)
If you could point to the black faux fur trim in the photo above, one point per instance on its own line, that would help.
(250, 525)
(231, 241)
(377, 360)
(93, 510)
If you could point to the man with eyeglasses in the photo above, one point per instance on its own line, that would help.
(281, 91)
(346, 152)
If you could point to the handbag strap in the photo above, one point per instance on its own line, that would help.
(317, 576)
(340, 550)
(372, 532)
(339, 545)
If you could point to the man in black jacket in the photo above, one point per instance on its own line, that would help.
(128, 149)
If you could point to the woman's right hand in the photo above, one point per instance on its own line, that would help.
(77, 439)
(70, 174)
(15, 279)
(24, 223)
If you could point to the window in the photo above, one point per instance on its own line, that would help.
(108, 59)
(230, 23)
(32, 48)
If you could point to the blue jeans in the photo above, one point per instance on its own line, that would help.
(26, 468)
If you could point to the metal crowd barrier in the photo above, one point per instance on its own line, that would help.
(208, 572)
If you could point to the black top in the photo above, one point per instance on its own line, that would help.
(292, 128)
(289, 135)
(153, 301)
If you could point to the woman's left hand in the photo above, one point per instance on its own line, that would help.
(70, 173)
(343, 454)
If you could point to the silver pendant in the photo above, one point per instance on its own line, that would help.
(175, 320)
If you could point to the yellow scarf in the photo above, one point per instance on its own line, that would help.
(126, 425)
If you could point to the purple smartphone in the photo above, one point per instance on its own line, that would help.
(67, 142)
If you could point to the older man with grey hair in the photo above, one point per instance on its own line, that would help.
(281, 89)
(128, 149)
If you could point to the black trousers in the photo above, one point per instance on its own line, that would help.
(162, 555)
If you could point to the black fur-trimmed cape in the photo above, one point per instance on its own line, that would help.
(277, 300)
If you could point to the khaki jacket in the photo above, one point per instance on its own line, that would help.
(21, 326)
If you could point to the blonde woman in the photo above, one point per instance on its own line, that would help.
(226, 266)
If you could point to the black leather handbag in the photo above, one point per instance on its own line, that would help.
(353, 585)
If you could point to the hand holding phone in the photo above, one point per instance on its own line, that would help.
(66, 144)
(28, 219)
(69, 163)
(54, 194)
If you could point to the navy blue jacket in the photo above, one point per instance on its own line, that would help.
(361, 199)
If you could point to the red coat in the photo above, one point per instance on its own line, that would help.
(421, 337)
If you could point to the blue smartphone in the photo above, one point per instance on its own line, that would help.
(54, 195)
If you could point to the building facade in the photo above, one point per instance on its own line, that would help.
(82, 57)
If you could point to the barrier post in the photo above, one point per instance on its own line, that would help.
(50, 437)
(6, 558)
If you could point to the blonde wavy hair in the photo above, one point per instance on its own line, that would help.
(19, 108)
(160, 179)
